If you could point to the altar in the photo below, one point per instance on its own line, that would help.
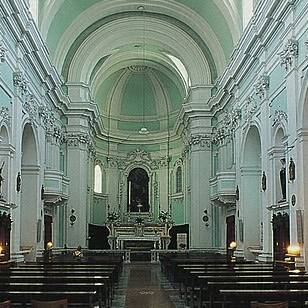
(145, 236)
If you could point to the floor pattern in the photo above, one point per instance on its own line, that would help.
(142, 285)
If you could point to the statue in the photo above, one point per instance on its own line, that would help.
(42, 192)
(282, 175)
(291, 170)
(263, 181)
(18, 182)
(1, 180)
(237, 193)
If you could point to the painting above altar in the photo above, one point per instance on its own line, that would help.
(138, 191)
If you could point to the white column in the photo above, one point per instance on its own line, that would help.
(77, 171)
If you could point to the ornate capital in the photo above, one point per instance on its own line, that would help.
(77, 139)
(3, 52)
(289, 53)
(20, 82)
(250, 107)
(279, 117)
(201, 140)
(31, 106)
(262, 86)
(228, 126)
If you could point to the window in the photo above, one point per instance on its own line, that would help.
(98, 179)
(178, 180)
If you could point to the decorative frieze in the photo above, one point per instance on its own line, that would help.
(279, 117)
(289, 53)
(202, 140)
(138, 156)
(4, 115)
(3, 52)
(20, 82)
(77, 139)
(262, 86)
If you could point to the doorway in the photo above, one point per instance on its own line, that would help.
(47, 229)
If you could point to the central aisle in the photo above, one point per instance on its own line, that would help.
(143, 286)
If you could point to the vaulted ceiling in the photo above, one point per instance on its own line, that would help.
(125, 51)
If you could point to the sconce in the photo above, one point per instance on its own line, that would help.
(232, 248)
(1, 254)
(73, 217)
(205, 218)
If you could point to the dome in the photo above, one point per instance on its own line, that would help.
(140, 96)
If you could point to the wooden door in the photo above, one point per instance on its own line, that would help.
(47, 229)
(281, 235)
(230, 221)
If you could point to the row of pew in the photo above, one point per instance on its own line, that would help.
(212, 281)
(81, 283)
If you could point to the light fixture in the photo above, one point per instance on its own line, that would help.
(233, 245)
(143, 130)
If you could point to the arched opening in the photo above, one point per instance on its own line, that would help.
(30, 194)
(178, 180)
(138, 191)
(98, 179)
(280, 167)
(250, 198)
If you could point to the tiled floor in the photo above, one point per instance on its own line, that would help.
(142, 285)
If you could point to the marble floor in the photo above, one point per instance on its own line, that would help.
(142, 285)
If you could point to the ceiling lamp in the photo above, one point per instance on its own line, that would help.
(143, 130)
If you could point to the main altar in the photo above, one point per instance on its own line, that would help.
(144, 236)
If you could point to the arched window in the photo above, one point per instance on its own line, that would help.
(98, 179)
(178, 180)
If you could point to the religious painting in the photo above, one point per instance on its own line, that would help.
(138, 191)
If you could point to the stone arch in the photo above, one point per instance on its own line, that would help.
(30, 193)
(250, 192)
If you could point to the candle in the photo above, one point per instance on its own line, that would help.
(129, 192)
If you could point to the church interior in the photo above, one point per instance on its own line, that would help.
(160, 144)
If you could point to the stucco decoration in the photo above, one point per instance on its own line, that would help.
(31, 107)
(140, 157)
(4, 115)
(201, 140)
(250, 108)
(20, 82)
(289, 54)
(261, 86)
(227, 127)
(279, 117)
(76, 139)
(3, 52)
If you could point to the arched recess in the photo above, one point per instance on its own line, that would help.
(250, 197)
(4, 159)
(30, 193)
(279, 180)
(138, 190)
